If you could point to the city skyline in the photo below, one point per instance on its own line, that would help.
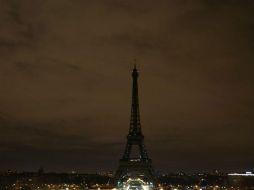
(66, 88)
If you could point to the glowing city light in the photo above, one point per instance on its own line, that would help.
(244, 174)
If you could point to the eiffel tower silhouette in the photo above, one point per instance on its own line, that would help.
(141, 166)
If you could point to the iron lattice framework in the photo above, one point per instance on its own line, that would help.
(135, 167)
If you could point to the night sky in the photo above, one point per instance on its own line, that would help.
(65, 83)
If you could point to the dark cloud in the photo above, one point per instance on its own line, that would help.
(65, 83)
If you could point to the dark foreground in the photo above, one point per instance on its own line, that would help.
(74, 181)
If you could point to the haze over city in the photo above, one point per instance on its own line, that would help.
(65, 83)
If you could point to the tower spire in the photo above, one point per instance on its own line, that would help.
(135, 136)
(135, 127)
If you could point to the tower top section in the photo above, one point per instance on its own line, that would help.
(135, 72)
(135, 127)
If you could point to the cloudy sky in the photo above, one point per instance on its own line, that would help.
(65, 83)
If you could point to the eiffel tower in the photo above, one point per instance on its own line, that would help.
(130, 167)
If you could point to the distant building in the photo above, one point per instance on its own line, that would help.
(241, 180)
